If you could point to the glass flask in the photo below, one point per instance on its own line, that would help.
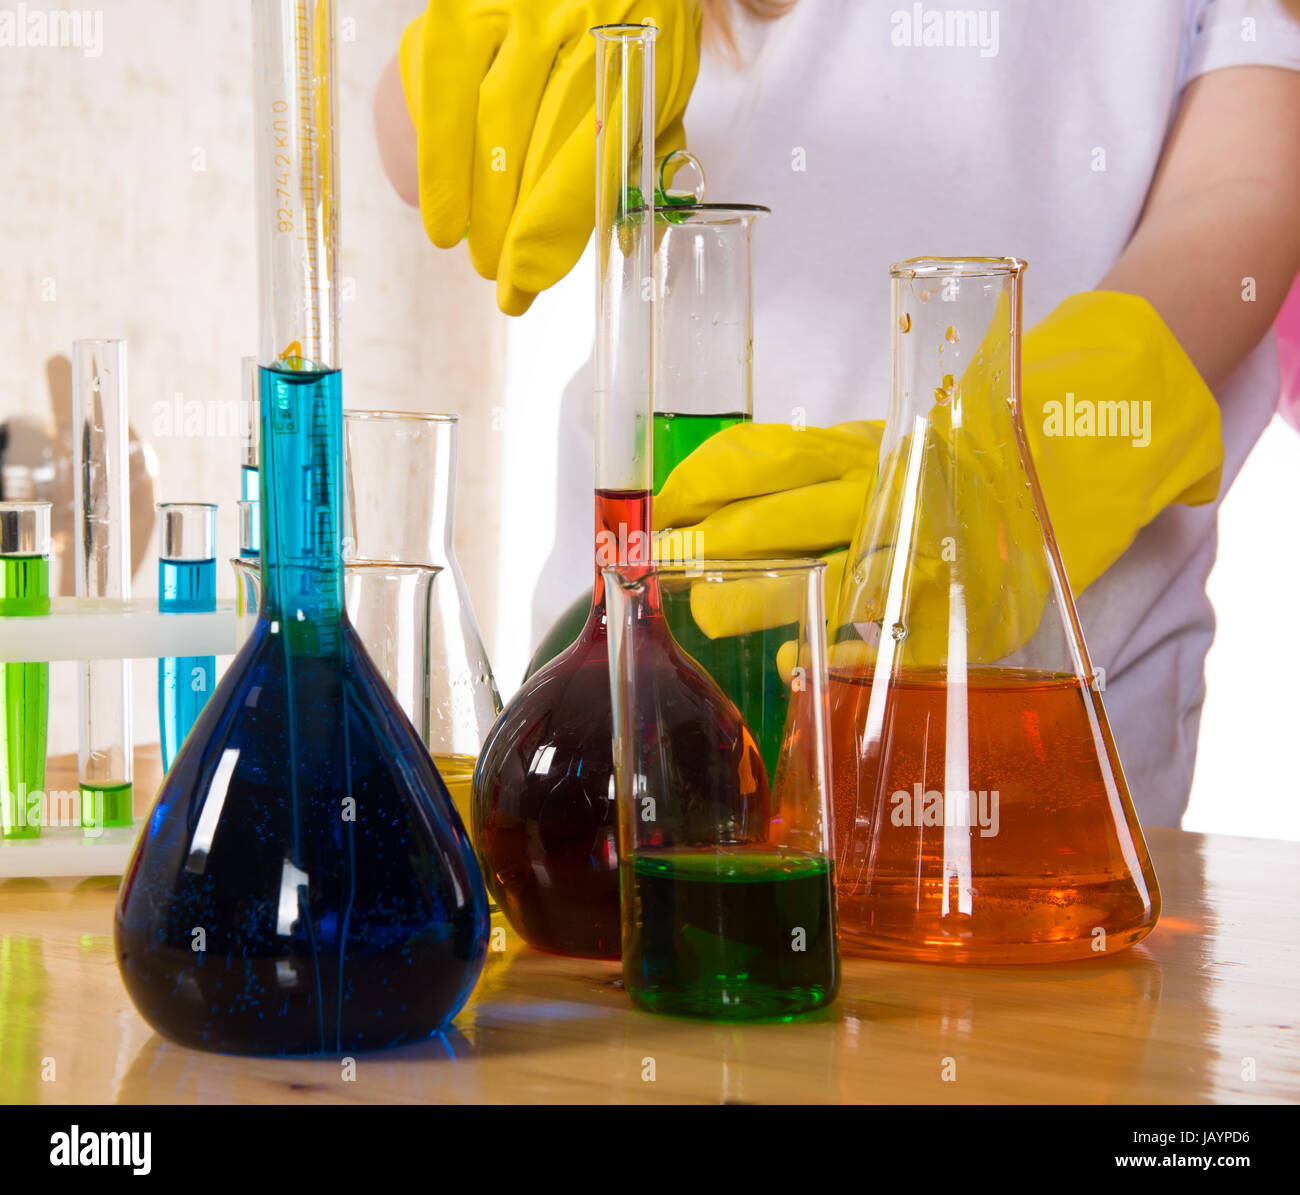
(400, 510)
(303, 884)
(981, 811)
(187, 583)
(704, 341)
(545, 816)
(728, 891)
(24, 685)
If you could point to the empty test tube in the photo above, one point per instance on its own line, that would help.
(103, 571)
(24, 687)
(187, 584)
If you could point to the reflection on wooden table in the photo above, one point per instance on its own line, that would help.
(1204, 1010)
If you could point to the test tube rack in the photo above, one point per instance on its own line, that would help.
(90, 629)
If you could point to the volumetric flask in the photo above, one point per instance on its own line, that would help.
(981, 811)
(728, 889)
(303, 884)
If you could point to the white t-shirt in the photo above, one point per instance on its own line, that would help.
(1038, 137)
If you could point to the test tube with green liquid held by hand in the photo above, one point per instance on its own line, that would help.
(24, 687)
(103, 540)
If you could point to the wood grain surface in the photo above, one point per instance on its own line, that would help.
(1203, 1011)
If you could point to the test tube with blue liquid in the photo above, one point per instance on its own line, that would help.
(187, 584)
(24, 686)
(105, 768)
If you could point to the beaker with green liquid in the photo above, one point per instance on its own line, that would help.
(704, 347)
(24, 687)
(728, 906)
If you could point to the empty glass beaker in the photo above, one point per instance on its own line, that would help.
(400, 509)
(981, 811)
(728, 889)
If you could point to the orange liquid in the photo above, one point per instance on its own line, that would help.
(1047, 853)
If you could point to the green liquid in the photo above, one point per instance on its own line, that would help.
(107, 805)
(732, 933)
(24, 702)
(745, 665)
(677, 436)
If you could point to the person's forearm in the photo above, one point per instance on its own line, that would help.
(1217, 267)
(1219, 242)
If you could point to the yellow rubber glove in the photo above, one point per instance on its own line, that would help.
(1099, 490)
(502, 96)
(768, 489)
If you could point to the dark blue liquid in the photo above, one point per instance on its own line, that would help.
(184, 682)
(303, 884)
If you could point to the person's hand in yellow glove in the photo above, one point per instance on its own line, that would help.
(502, 98)
(759, 490)
(1100, 490)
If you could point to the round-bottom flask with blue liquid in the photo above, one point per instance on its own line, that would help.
(303, 884)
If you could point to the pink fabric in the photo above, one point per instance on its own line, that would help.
(1288, 348)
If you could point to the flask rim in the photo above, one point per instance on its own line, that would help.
(421, 416)
(958, 267)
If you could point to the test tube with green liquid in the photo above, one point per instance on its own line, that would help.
(24, 687)
(103, 571)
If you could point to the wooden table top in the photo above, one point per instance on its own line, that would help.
(1203, 1011)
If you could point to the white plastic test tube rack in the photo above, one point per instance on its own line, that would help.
(85, 629)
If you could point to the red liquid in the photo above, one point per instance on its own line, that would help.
(545, 818)
(1029, 878)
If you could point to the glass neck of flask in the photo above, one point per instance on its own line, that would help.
(301, 485)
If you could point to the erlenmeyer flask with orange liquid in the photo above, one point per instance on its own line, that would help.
(981, 811)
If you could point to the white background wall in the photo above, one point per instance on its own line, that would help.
(126, 210)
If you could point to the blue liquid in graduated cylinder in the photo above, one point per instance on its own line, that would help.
(184, 682)
(303, 828)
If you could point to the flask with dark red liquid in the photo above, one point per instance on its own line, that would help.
(544, 815)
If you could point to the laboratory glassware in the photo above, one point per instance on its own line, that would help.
(728, 894)
(545, 821)
(400, 508)
(101, 477)
(250, 528)
(981, 810)
(704, 348)
(251, 415)
(247, 566)
(24, 687)
(705, 327)
(303, 885)
(187, 584)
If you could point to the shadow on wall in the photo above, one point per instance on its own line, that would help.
(36, 464)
